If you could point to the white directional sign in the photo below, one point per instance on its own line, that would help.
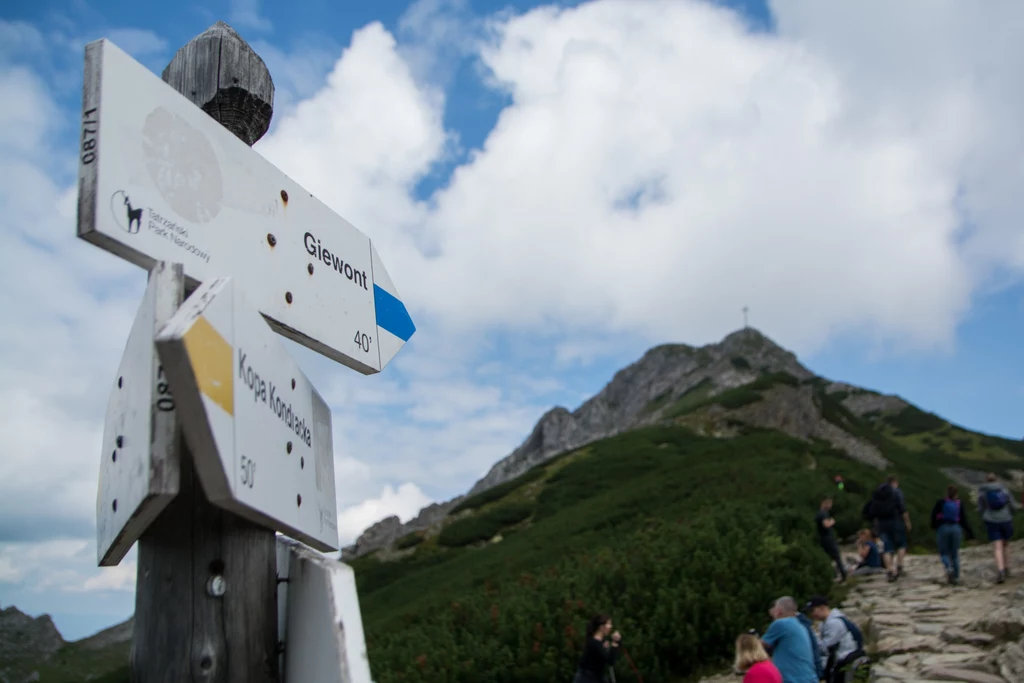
(319, 618)
(139, 469)
(259, 433)
(159, 179)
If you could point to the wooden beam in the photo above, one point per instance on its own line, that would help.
(206, 592)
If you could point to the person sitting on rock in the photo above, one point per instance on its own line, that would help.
(869, 558)
(950, 524)
(793, 646)
(753, 661)
(997, 508)
(839, 635)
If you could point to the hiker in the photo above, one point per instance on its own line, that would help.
(950, 526)
(599, 652)
(840, 636)
(887, 510)
(793, 644)
(753, 661)
(997, 509)
(827, 535)
(869, 557)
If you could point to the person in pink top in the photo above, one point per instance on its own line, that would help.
(753, 661)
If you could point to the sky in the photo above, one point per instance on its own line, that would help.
(554, 188)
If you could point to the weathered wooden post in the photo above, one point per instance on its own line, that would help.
(206, 596)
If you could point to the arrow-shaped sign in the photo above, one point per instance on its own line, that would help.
(159, 179)
(259, 432)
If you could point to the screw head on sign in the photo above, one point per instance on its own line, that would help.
(288, 297)
(298, 499)
(284, 196)
(310, 268)
(216, 586)
(271, 240)
(120, 442)
(289, 447)
(293, 383)
(120, 382)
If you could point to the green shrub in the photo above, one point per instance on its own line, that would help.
(511, 513)
(469, 530)
(962, 445)
(912, 420)
(740, 363)
(409, 541)
(737, 398)
(500, 491)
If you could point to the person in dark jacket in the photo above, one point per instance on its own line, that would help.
(600, 651)
(950, 524)
(827, 535)
(888, 511)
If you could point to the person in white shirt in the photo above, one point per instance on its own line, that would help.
(839, 635)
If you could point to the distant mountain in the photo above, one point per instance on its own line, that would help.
(746, 379)
(32, 649)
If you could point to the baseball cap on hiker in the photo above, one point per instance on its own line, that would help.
(816, 601)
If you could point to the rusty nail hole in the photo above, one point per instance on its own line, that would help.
(289, 447)
(293, 383)
(120, 382)
(288, 297)
(310, 268)
(302, 463)
(113, 456)
(205, 663)
(271, 240)
(120, 442)
(234, 80)
(298, 500)
(115, 505)
(217, 567)
(284, 196)
(193, 93)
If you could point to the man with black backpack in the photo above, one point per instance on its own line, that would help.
(888, 512)
(842, 638)
(996, 507)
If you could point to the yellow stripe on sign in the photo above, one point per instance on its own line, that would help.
(210, 355)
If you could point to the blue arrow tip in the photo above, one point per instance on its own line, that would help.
(391, 314)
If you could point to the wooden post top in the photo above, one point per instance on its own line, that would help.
(224, 77)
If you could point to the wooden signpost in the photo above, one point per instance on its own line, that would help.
(167, 180)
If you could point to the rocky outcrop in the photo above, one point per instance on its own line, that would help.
(384, 533)
(638, 394)
(25, 636)
(647, 391)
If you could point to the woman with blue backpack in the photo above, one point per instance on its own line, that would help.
(950, 526)
(997, 507)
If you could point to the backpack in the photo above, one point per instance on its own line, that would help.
(858, 637)
(816, 648)
(884, 504)
(950, 511)
(996, 499)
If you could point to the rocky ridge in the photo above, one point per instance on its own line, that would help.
(646, 393)
(921, 629)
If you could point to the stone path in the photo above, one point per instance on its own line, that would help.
(920, 629)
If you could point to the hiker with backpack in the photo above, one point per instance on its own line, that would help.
(793, 644)
(997, 509)
(888, 512)
(950, 526)
(840, 636)
(827, 536)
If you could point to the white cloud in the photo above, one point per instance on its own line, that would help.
(119, 578)
(246, 14)
(657, 169)
(405, 502)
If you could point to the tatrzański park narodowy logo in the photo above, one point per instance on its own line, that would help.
(127, 217)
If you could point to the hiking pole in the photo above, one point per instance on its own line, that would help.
(639, 678)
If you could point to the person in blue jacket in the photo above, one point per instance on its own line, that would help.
(950, 523)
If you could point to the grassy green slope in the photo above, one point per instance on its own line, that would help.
(75, 663)
(650, 500)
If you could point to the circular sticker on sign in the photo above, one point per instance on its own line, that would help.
(183, 166)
